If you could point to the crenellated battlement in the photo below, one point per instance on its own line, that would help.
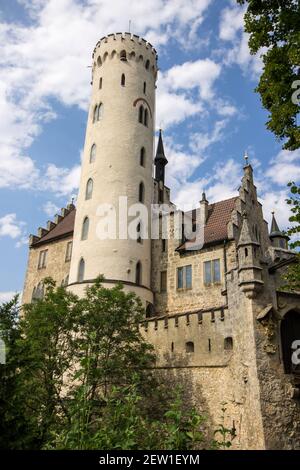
(125, 47)
(51, 225)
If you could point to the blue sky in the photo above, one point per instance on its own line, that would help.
(206, 106)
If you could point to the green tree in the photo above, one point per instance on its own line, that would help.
(292, 276)
(275, 26)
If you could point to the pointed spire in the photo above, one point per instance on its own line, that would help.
(160, 160)
(246, 236)
(274, 225)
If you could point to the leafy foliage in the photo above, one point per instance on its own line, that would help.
(79, 376)
(292, 276)
(275, 26)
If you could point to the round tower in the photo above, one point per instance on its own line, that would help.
(117, 162)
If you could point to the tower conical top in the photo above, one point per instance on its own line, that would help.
(160, 160)
(160, 152)
(274, 225)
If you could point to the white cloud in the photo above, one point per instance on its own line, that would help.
(232, 21)
(13, 228)
(6, 296)
(199, 74)
(284, 167)
(62, 181)
(49, 59)
(50, 208)
(200, 141)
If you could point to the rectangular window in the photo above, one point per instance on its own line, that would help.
(184, 277)
(212, 272)
(68, 251)
(164, 245)
(163, 281)
(42, 259)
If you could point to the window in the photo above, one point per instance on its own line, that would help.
(123, 55)
(89, 189)
(95, 113)
(142, 156)
(42, 259)
(144, 88)
(228, 343)
(164, 245)
(100, 112)
(189, 347)
(81, 268)
(93, 153)
(99, 62)
(68, 251)
(138, 273)
(100, 83)
(38, 291)
(163, 281)
(146, 117)
(147, 64)
(246, 252)
(184, 277)
(123, 80)
(141, 192)
(141, 114)
(290, 332)
(139, 230)
(85, 228)
(212, 273)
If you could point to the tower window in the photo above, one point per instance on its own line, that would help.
(85, 229)
(93, 153)
(142, 156)
(147, 64)
(100, 112)
(164, 245)
(141, 192)
(100, 83)
(123, 79)
(89, 189)
(189, 347)
(144, 88)
(139, 230)
(99, 62)
(228, 343)
(138, 273)
(113, 54)
(105, 56)
(163, 281)
(141, 114)
(246, 252)
(95, 113)
(81, 268)
(123, 55)
(146, 117)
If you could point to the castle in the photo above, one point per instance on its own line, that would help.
(215, 311)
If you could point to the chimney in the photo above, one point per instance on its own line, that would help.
(203, 210)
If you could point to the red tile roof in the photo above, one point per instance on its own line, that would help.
(218, 217)
(63, 229)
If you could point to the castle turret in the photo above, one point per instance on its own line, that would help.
(277, 237)
(117, 162)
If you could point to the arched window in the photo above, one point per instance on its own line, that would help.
(141, 114)
(228, 343)
(141, 192)
(146, 117)
(99, 61)
(81, 267)
(150, 311)
(93, 153)
(100, 83)
(144, 88)
(95, 113)
(89, 189)
(141, 58)
(105, 56)
(290, 333)
(100, 112)
(142, 156)
(113, 54)
(123, 79)
(147, 64)
(189, 347)
(123, 55)
(138, 273)
(85, 228)
(132, 55)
